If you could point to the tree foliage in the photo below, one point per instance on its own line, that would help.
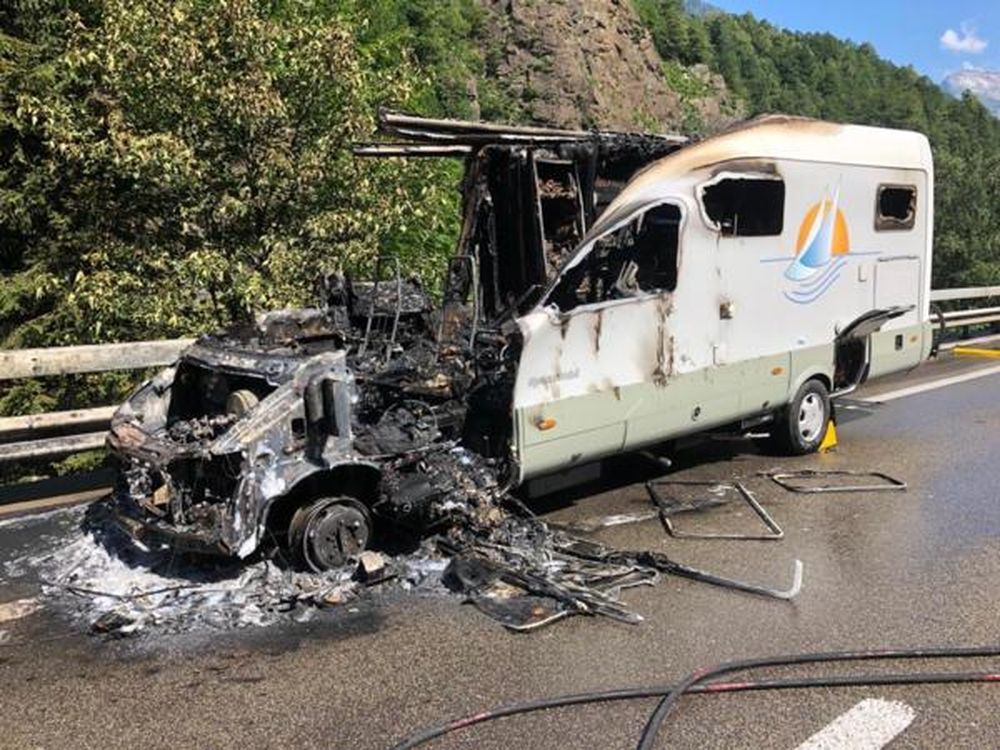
(171, 166)
(167, 167)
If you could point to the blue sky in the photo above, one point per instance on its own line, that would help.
(908, 33)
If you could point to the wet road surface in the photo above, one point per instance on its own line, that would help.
(913, 568)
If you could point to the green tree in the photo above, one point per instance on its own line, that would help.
(175, 165)
(169, 167)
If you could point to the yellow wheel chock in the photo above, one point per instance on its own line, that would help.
(829, 437)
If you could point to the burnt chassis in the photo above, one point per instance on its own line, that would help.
(237, 475)
(528, 196)
(270, 423)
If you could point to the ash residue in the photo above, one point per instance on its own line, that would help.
(484, 546)
(512, 567)
(98, 577)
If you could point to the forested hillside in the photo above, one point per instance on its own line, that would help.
(818, 75)
(168, 167)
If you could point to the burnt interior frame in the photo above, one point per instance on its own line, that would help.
(885, 222)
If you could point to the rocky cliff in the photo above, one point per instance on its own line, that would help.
(591, 63)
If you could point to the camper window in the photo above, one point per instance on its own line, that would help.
(638, 257)
(895, 207)
(746, 207)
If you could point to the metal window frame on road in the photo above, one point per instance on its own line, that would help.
(668, 506)
(888, 483)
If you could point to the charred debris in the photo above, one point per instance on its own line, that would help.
(314, 432)
(377, 397)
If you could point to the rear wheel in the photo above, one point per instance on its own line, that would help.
(327, 532)
(800, 427)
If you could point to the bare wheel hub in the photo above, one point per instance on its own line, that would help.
(811, 414)
(327, 533)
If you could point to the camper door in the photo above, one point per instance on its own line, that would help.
(746, 211)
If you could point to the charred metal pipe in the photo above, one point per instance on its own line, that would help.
(478, 139)
(389, 120)
(464, 132)
(383, 150)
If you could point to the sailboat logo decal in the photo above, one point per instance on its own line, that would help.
(820, 250)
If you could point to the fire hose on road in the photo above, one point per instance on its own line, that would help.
(699, 683)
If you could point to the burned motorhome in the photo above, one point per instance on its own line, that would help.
(307, 428)
(609, 291)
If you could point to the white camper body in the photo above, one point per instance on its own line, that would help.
(723, 278)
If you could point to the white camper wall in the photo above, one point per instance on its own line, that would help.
(750, 316)
(772, 313)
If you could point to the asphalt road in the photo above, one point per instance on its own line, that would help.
(913, 568)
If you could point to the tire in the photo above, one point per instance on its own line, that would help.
(799, 427)
(326, 533)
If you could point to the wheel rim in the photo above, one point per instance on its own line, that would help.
(334, 532)
(812, 416)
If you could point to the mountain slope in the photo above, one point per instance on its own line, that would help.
(581, 63)
(819, 75)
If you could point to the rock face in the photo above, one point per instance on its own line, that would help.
(591, 63)
(985, 84)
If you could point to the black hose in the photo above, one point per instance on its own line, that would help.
(431, 733)
(669, 701)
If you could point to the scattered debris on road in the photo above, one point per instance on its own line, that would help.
(605, 522)
(818, 481)
(719, 492)
(506, 570)
(509, 565)
(17, 609)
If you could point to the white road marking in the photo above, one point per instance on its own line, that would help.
(933, 385)
(870, 725)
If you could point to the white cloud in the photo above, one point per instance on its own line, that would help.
(966, 40)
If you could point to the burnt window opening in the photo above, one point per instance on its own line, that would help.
(746, 207)
(640, 257)
(560, 210)
(527, 206)
(896, 207)
(200, 391)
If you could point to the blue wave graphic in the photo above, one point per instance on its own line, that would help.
(804, 298)
(814, 283)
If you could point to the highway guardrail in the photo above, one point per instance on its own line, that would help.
(62, 433)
